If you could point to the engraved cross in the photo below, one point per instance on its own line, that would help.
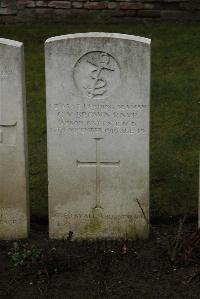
(4, 126)
(1, 130)
(98, 164)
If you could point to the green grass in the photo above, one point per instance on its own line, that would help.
(175, 103)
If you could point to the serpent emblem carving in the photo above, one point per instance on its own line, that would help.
(97, 75)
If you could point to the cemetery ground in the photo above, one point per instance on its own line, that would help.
(165, 266)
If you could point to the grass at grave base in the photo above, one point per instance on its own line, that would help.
(175, 109)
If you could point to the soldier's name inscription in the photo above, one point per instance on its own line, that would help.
(98, 118)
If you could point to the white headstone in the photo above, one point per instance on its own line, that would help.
(14, 214)
(98, 90)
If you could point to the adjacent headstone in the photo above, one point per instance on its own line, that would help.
(14, 210)
(98, 90)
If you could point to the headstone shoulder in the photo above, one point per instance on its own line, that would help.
(99, 35)
(10, 42)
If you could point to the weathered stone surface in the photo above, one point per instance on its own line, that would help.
(190, 6)
(148, 5)
(71, 11)
(123, 13)
(112, 5)
(45, 13)
(127, 5)
(77, 4)
(98, 135)
(14, 206)
(4, 3)
(7, 11)
(21, 4)
(96, 5)
(41, 3)
(59, 4)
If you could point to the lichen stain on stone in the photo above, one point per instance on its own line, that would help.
(95, 224)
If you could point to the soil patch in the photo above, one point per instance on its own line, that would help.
(43, 268)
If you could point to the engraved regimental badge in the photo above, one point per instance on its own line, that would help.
(97, 75)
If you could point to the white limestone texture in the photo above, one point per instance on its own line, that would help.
(14, 201)
(98, 97)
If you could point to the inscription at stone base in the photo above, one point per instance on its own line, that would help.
(10, 216)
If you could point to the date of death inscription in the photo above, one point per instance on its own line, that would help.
(98, 118)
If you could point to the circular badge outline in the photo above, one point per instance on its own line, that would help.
(78, 60)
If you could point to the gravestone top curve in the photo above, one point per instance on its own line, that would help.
(10, 42)
(101, 35)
